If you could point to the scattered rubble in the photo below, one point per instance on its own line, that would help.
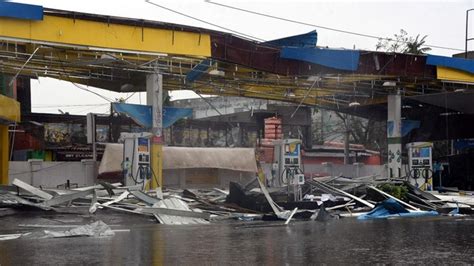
(95, 229)
(325, 199)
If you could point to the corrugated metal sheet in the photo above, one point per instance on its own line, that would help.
(307, 40)
(456, 63)
(176, 204)
(405, 65)
(334, 58)
(198, 70)
(261, 57)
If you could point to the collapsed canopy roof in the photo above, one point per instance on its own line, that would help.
(117, 53)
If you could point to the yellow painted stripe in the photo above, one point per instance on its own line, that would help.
(445, 73)
(9, 109)
(4, 155)
(157, 165)
(112, 36)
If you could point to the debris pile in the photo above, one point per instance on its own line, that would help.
(324, 199)
(328, 198)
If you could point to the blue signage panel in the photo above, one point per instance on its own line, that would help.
(20, 11)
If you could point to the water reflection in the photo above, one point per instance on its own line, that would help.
(419, 241)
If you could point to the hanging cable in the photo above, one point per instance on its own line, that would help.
(126, 99)
(213, 107)
(325, 27)
(65, 77)
(304, 98)
(205, 22)
(23, 66)
(66, 105)
(93, 92)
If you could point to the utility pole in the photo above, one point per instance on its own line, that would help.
(467, 32)
(154, 90)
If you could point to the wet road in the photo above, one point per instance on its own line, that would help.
(346, 241)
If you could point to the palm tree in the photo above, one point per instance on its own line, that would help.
(414, 46)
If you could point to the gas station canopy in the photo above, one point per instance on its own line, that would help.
(116, 54)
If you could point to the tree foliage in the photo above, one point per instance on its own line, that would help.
(402, 43)
(369, 132)
(415, 46)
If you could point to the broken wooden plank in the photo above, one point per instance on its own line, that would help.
(33, 190)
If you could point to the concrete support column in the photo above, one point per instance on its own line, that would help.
(394, 136)
(154, 95)
(4, 151)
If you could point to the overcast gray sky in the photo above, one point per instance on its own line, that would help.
(443, 22)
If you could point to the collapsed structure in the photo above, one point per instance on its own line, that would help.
(129, 55)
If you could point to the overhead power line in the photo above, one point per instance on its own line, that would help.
(66, 77)
(205, 22)
(323, 27)
(93, 92)
(67, 105)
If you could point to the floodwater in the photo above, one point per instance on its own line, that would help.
(446, 240)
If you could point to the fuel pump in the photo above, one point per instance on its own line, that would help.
(420, 164)
(287, 166)
(136, 158)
